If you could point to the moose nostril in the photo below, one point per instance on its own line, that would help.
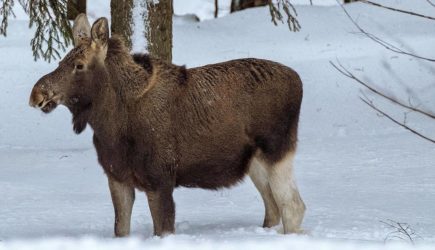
(40, 104)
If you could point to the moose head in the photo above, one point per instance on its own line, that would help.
(80, 74)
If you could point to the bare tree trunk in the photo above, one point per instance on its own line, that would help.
(237, 5)
(216, 8)
(121, 12)
(158, 26)
(75, 7)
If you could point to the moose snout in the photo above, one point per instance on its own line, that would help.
(36, 98)
(44, 98)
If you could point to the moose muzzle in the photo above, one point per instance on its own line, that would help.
(44, 99)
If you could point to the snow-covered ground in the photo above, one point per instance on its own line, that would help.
(354, 168)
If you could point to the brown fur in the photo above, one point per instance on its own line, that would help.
(158, 125)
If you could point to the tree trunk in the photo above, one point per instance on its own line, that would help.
(121, 12)
(237, 5)
(158, 26)
(74, 8)
(216, 8)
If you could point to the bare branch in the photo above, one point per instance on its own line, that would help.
(398, 10)
(349, 74)
(430, 2)
(381, 42)
(396, 121)
(402, 231)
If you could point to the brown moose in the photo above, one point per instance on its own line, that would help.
(158, 126)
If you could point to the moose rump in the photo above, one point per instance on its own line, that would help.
(226, 113)
(158, 126)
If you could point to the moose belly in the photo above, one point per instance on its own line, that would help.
(217, 170)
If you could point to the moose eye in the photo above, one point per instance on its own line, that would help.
(79, 66)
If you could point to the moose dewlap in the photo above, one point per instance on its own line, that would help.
(158, 126)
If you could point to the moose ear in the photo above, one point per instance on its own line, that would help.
(81, 29)
(100, 32)
(100, 37)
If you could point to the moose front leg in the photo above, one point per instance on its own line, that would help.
(162, 209)
(123, 199)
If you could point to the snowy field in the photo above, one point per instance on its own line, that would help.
(354, 167)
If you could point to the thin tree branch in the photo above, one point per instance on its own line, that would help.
(349, 74)
(381, 42)
(398, 10)
(400, 229)
(397, 122)
(430, 2)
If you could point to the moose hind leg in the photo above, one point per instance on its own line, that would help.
(123, 199)
(260, 178)
(162, 209)
(286, 194)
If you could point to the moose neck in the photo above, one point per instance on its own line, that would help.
(128, 79)
(125, 82)
(106, 114)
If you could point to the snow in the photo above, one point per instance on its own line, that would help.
(354, 167)
(204, 9)
(185, 243)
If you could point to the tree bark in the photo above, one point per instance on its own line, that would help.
(74, 8)
(158, 29)
(216, 8)
(121, 12)
(237, 5)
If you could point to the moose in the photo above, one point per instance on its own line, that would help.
(158, 126)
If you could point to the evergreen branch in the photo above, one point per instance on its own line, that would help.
(5, 11)
(53, 32)
(289, 10)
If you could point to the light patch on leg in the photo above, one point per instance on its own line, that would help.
(286, 194)
(123, 199)
(260, 177)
